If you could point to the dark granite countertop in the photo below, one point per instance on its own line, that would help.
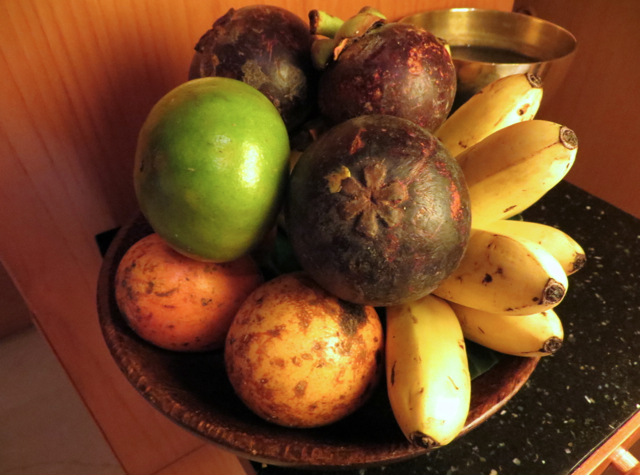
(578, 398)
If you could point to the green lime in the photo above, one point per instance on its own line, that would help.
(211, 167)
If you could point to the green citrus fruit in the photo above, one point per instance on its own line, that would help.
(211, 166)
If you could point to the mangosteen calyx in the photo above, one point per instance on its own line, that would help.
(323, 24)
(372, 202)
(328, 48)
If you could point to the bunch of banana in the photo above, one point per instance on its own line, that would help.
(513, 274)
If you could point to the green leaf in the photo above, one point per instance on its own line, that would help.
(481, 359)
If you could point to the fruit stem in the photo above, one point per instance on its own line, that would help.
(322, 52)
(372, 11)
(553, 292)
(323, 24)
(552, 345)
(422, 440)
(534, 80)
(578, 263)
(359, 24)
(568, 138)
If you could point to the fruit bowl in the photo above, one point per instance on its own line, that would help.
(192, 390)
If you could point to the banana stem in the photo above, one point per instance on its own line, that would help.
(422, 440)
(553, 292)
(578, 263)
(534, 80)
(552, 345)
(321, 23)
(568, 138)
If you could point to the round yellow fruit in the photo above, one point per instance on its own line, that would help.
(300, 357)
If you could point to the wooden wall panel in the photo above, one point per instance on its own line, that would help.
(78, 79)
(600, 95)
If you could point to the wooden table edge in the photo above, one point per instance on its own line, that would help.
(626, 435)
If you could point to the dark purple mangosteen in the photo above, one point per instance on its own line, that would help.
(393, 69)
(268, 48)
(378, 211)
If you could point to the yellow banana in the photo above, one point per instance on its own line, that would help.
(514, 167)
(539, 334)
(503, 102)
(427, 371)
(500, 274)
(559, 244)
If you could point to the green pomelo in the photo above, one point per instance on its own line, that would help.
(211, 167)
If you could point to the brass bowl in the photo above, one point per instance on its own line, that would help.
(490, 44)
(192, 390)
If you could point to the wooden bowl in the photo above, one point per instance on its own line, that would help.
(192, 390)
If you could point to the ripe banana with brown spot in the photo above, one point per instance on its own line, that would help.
(539, 334)
(503, 102)
(559, 244)
(514, 167)
(428, 379)
(501, 274)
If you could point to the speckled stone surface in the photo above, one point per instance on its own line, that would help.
(577, 398)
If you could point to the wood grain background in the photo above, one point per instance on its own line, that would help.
(600, 94)
(78, 78)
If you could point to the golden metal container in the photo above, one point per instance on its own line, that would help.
(490, 44)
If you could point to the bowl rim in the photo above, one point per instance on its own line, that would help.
(569, 37)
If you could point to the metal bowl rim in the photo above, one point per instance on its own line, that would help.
(506, 14)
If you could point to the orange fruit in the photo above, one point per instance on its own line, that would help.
(179, 303)
(300, 357)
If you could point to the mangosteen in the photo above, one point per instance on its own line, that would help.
(267, 47)
(378, 211)
(393, 69)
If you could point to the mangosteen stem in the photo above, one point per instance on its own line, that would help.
(372, 11)
(321, 52)
(359, 24)
(339, 34)
(323, 24)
